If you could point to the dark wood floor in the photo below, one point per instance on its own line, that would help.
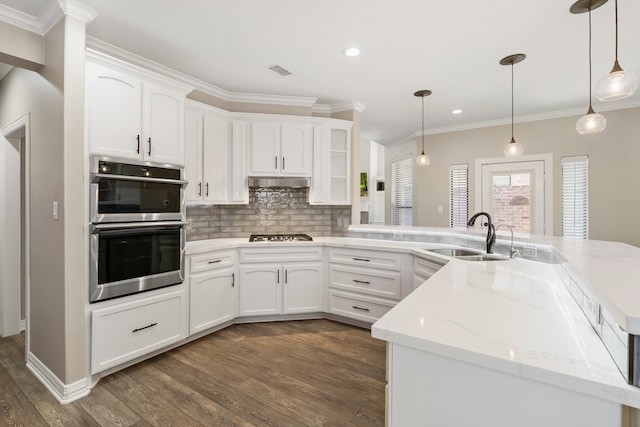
(299, 373)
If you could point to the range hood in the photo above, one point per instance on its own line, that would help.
(278, 182)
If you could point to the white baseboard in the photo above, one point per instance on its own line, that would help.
(65, 393)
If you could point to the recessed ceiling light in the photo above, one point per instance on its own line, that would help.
(351, 51)
(456, 111)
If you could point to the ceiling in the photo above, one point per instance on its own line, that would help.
(452, 47)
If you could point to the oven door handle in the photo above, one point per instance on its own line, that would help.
(96, 228)
(97, 177)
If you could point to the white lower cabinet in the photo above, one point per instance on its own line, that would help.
(365, 284)
(214, 294)
(277, 287)
(125, 331)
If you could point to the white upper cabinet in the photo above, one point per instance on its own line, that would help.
(331, 164)
(131, 117)
(283, 149)
(215, 161)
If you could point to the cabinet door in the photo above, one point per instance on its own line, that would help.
(264, 149)
(163, 112)
(114, 114)
(302, 288)
(296, 149)
(260, 290)
(193, 155)
(215, 158)
(239, 188)
(214, 299)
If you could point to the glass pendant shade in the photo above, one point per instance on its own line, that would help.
(423, 159)
(591, 122)
(513, 149)
(618, 84)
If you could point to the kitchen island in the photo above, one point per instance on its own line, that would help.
(503, 343)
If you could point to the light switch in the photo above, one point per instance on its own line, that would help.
(55, 210)
(440, 209)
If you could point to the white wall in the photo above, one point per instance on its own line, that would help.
(614, 175)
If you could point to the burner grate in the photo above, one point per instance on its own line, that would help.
(280, 238)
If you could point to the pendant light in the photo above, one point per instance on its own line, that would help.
(512, 149)
(591, 122)
(423, 159)
(618, 84)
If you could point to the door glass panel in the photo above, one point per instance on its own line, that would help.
(511, 200)
(513, 193)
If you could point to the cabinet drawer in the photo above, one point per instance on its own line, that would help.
(380, 283)
(281, 254)
(365, 258)
(358, 307)
(211, 261)
(126, 331)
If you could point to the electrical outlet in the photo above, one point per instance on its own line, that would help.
(189, 224)
(397, 235)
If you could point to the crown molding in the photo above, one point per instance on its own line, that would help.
(20, 19)
(618, 105)
(229, 96)
(348, 106)
(321, 109)
(257, 98)
(78, 10)
(48, 16)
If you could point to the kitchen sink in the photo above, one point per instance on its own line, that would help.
(466, 254)
(454, 252)
(481, 257)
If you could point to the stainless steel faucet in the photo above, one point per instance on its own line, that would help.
(512, 252)
(491, 231)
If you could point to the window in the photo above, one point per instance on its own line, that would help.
(575, 197)
(402, 191)
(459, 193)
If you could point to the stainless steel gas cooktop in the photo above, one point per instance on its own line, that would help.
(280, 238)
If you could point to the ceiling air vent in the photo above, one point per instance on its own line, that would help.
(280, 70)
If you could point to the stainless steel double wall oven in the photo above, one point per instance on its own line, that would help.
(137, 227)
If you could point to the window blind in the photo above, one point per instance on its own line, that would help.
(459, 195)
(402, 191)
(575, 197)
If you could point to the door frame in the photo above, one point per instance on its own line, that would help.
(24, 122)
(547, 160)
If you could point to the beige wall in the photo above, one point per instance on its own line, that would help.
(21, 48)
(40, 94)
(614, 175)
(54, 98)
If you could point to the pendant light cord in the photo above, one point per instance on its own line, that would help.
(590, 106)
(512, 140)
(616, 31)
(422, 124)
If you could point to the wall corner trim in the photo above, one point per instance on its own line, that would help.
(64, 393)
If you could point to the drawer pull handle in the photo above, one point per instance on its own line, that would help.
(361, 259)
(213, 262)
(144, 327)
(359, 308)
(233, 280)
(362, 281)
